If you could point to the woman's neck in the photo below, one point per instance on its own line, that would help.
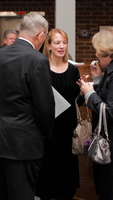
(58, 65)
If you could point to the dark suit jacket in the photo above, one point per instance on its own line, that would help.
(3, 46)
(26, 101)
(104, 92)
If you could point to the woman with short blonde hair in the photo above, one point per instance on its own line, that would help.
(94, 96)
(103, 42)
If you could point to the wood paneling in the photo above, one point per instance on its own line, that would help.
(85, 69)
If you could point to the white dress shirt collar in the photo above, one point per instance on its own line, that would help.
(27, 41)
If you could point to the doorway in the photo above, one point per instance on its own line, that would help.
(8, 23)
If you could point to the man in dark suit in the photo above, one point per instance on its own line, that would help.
(27, 109)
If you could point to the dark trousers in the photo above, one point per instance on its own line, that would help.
(18, 179)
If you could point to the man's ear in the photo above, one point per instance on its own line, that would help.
(111, 56)
(39, 36)
(4, 40)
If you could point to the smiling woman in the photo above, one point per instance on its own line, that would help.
(59, 176)
(56, 45)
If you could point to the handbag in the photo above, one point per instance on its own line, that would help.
(99, 150)
(83, 130)
(88, 142)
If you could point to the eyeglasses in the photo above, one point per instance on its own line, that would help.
(11, 38)
(47, 36)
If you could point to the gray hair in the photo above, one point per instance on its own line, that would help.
(9, 31)
(32, 23)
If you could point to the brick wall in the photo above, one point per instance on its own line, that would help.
(90, 14)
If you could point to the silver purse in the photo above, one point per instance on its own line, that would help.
(99, 150)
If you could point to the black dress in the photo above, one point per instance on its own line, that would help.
(59, 175)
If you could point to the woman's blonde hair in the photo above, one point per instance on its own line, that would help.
(103, 42)
(51, 34)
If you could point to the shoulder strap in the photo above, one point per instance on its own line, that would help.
(105, 121)
(100, 120)
(77, 111)
(102, 115)
(79, 116)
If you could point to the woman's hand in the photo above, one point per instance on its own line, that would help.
(95, 69)
(84, 86)
(84, 78)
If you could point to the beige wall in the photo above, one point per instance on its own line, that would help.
(65, 19)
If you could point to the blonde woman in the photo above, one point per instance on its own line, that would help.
(103, 44)
(59, 176)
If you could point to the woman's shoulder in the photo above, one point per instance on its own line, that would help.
(73, 70)
(73, 67)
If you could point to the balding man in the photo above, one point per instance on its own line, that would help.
(27, 109)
